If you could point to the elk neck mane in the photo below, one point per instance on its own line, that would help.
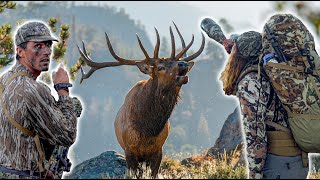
(154, 107)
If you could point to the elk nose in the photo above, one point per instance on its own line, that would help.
(183, 68)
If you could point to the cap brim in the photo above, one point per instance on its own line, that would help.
(43, 38)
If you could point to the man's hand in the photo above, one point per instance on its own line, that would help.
(61, 76)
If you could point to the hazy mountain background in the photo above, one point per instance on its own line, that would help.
(197, 119)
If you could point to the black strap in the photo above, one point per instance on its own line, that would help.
(270, 96)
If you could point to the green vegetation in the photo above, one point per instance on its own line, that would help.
(6, 44)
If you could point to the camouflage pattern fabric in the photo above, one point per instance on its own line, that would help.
(249, 44)
(213, 30)
(31, 104)
(33, 31)
(254, 112)
(77, 106)
(292, 36)
(297, 90)
(13, 176)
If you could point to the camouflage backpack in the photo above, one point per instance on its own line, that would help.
(292, 64)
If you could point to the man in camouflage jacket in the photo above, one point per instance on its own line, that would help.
(30, 104)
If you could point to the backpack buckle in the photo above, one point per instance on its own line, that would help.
(269, 57)
(309, 71)
(304, 52)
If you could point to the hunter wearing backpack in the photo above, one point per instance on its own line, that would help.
(266, 91)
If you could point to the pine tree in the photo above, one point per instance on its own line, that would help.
(7, 5)
(59, 49)
(6, 44)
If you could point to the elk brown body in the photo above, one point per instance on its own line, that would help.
(142, 123)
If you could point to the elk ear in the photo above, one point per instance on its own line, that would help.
(190, 65)
(145, 68)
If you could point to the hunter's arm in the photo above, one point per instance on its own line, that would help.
(253, 109)
(53, 120)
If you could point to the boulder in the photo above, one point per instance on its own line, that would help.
(110, 165)
(230, 139)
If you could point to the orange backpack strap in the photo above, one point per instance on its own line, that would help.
(18, 126)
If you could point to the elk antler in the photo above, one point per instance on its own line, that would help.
(156, 48)
(185, 49)
(182, 41)
(121, 61)
(195, 55)
(173, 46)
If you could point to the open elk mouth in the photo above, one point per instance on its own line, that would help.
(182, 79)
(181, 76)
(183, 71)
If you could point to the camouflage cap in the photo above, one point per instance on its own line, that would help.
(249, 44)
(33, 31)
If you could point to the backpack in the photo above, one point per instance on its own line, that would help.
(292, 65)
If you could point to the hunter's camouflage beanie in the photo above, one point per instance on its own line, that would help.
(249, 44)
(33, 31)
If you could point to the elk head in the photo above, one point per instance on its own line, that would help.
(166, 71)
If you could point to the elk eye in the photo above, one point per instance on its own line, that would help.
(160, 68)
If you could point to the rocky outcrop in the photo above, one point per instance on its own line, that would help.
(230, 136)
(230, 141)
(110, 165)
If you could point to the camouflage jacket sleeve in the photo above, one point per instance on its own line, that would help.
(253, 109)
(53, 120)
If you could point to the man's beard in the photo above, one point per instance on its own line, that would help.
(42, 68)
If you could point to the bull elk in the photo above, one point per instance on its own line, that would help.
(142, 123)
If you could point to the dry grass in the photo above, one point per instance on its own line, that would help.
(199, 167)
(202, 167)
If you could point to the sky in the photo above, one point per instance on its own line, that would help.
(233, 10)
(243, 15)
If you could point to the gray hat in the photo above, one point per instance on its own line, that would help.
(33, 31)
(249, 44)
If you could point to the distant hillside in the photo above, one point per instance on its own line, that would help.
(160, 14)
(88, 23)
(197, 119)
